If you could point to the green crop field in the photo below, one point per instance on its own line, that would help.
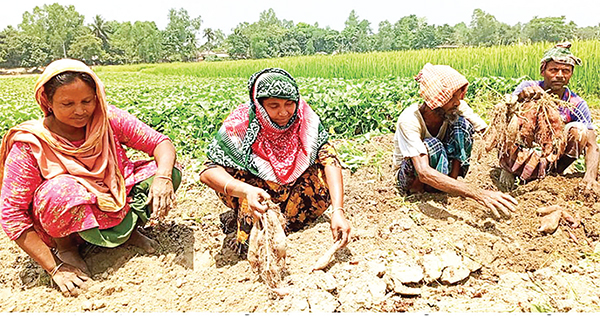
(501, 61)
(353, 94)
(190, 109)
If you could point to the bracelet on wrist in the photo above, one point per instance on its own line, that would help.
(163, 177)
(339, 208)
(53, 272)
(226, 184)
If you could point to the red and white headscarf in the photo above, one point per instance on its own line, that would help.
(249, 140)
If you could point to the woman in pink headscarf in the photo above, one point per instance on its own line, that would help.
(433, 140)
(66, 178)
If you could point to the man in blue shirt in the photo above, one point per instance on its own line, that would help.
(556, 68)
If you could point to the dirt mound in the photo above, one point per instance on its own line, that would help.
(514, 267)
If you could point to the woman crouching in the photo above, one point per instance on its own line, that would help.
(275, 148)
(67, 180)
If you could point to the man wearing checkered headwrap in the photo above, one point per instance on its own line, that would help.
(428, 162)
(556, 68)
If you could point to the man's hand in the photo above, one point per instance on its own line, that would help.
(531, 93)
(499, 203)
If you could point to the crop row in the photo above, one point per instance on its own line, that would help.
(190, 109)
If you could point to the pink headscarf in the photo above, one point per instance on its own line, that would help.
(93, 164)
(438, 83)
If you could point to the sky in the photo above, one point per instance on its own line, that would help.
(226, 14)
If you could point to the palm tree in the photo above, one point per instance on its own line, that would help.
(100, 29)
(210, 37)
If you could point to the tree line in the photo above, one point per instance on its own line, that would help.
(55, 31)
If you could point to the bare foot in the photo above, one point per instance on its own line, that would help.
(67, 252)
(72, 257)
(139, 240)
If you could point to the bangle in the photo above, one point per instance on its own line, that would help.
(226, 184)
(339, 208)
(53, 272)
(163, 177)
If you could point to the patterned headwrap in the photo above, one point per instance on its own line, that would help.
(437, 84)
(560, 53)
(275, 85)
(249, 140)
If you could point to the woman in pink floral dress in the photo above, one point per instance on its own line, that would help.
(66, 178)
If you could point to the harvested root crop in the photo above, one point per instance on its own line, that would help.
(267, 249)
(327, 257)
(531, 124)
(551, 216)
(549, 222)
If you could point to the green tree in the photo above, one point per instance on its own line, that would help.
(266, 38)
(210, 37)
(326, 40)
(508, 35)
(101, 30)
(445, 34)
(239, 42)
(551, 29)
(357, 34)
(405, 32)
(139, 42)
(55, 25)
(461, 34)
(484, 29)
(18, 49)
(426, 36)
(88, 48)
(588, 32)
(180, 36)
(384, 39)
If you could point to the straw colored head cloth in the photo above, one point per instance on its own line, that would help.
(438, 83)
(560, 53)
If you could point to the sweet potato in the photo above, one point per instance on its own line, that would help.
(327, 256)
(267, 248)
(549, 223)
(545, 210)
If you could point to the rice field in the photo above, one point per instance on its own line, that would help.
(474, 62)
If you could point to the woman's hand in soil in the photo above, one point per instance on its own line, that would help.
(255, 197)
(499, 203)
(70, 280)
(161, 197)
(340, 226)
(531, 93)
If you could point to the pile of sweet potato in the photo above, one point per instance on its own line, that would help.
(531, 124)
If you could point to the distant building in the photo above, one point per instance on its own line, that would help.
(210, 55)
